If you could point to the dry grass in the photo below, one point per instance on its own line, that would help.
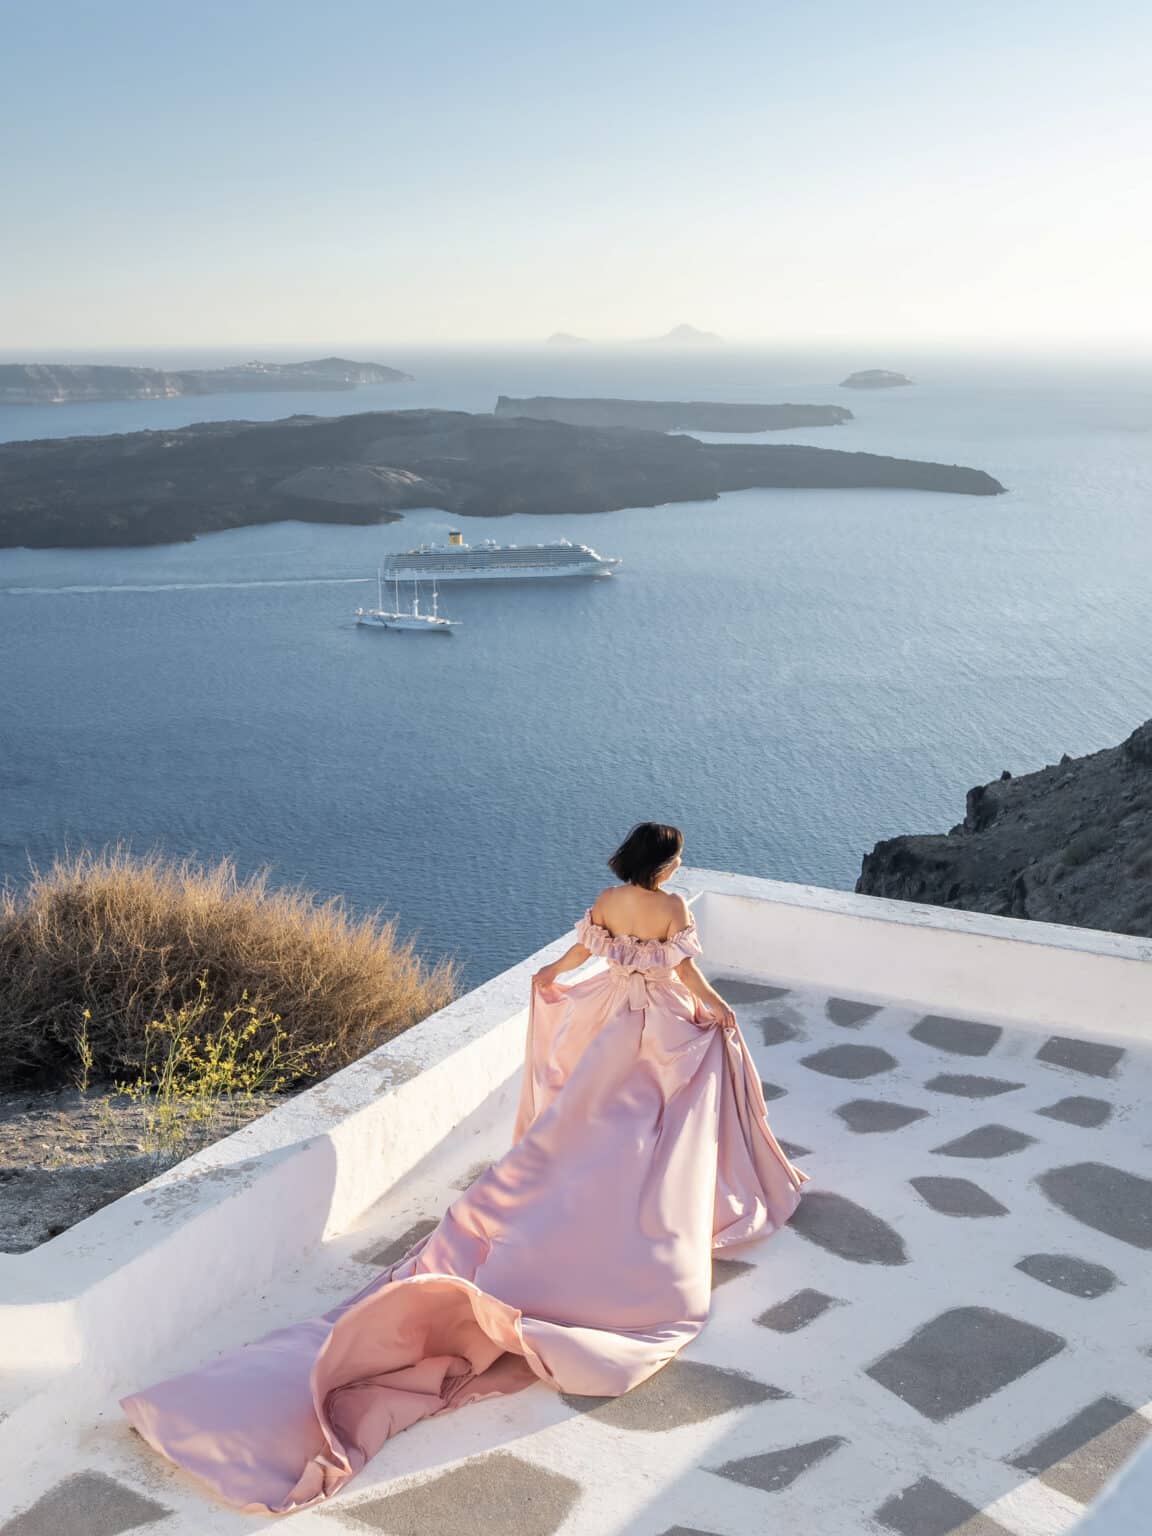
(131, 939)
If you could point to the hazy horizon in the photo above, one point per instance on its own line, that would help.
(273, 176)
(847, 351)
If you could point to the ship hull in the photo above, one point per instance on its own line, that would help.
(406, 621)
(538, 573)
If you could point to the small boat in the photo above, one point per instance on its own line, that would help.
(380, 618)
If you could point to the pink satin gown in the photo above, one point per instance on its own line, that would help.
(581, 1259)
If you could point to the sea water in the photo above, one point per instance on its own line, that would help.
(787, 675)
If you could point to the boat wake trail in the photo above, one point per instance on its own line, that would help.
(187, 586)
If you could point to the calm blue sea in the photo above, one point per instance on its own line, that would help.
(788, 675)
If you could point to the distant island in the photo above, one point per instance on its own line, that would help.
(875, 378)
(64, 383)
(1070, 843)
(672, 415)
(678, 336)
(689, 335)
(160, 487)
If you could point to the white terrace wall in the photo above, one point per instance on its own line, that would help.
(1045, 975)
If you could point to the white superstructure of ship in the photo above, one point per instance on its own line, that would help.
(489, 561)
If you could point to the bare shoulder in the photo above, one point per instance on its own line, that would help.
(629, 909)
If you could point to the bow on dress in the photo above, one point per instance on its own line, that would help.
(635, 980)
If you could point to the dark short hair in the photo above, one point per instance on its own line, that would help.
(644, 852)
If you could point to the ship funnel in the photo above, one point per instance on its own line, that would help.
(455, 537)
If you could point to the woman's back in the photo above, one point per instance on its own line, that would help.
(633, 912)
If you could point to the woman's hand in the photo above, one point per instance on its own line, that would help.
(707, 1000)
(720, 1011)
(575, 955)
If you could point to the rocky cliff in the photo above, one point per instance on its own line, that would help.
(62, 383)
(1071, 843)
(157, 487)
(672, 415)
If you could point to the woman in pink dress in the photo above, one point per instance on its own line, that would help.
(581, 1259)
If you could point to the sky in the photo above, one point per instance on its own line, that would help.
(274, 172)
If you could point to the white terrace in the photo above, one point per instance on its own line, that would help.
(952, 1338)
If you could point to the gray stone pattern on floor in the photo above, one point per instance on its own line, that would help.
(920, 1351)
(87, 1504)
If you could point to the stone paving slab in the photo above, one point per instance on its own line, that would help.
(918, 1352)
(88, 1502)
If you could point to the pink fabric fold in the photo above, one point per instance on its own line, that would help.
(582, 1258)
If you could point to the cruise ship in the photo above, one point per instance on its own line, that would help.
(488, 561)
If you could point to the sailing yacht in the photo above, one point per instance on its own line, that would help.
(380, 618)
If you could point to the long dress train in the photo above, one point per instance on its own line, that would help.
(582, 1258)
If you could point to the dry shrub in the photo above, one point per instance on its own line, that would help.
(132, 939)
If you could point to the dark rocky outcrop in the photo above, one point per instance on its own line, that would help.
(875, 378)
(158, 487)
(672, 415)
(61, 383)
(1071, 843)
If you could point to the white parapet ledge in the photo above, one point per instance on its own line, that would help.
(1047, 975)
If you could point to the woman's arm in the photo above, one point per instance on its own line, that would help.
(692, 977)
(567, 962)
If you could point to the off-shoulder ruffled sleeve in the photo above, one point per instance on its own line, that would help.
(590, 934)
(628, 951)
(687, 940)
